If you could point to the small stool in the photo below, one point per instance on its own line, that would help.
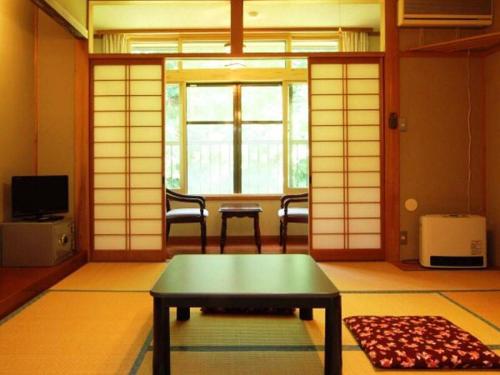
(229, 210)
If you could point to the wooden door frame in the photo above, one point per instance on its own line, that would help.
(391, 105)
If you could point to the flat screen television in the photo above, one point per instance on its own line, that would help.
(39, 197)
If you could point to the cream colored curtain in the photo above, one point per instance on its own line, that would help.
(353, 41)
(114, 43)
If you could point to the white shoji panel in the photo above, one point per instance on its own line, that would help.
(345, 156)
(128, 157)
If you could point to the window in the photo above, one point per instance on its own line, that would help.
(312, 45)
(173, 136)
(264, 46)
(298, 149)
(235, 139)
(210, 139)
(156, 46)
(261, 139)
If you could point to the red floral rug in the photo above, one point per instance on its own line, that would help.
(419, 342)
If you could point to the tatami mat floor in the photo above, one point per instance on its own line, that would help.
(99, 319)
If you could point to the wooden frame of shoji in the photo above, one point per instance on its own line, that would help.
(346, 104)
(127, 159)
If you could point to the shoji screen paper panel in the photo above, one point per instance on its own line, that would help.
(127, 129)
(345, 141)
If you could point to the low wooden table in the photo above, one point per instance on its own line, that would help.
(229, 210)
(229, 281)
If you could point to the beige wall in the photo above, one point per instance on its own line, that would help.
(269, 222)
(434, 149)
(492, 100)
(17, 88)
(55, 72)
(56, 97)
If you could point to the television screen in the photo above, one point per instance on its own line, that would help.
(38, 196)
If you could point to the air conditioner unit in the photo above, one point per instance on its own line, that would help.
(453, 241)
(442, 13)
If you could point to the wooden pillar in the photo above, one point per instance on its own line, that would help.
(236, 27)
(391, 138)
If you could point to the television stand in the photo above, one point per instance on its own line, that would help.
(43, 219)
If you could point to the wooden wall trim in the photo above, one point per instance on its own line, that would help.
(81, 145)
(36, 87)
(348, 255)
(62, 17)
(278, 55)
(392, 164)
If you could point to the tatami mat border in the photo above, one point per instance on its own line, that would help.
(22, 307)
(484, 320)
(142, 353)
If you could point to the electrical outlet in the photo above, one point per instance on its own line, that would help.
(403, 237)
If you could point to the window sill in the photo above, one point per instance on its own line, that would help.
(243, 197)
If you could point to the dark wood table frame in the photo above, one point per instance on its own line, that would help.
(186, 283)
(229, 210)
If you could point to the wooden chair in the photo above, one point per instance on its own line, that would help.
(291, 214)
(187, 215)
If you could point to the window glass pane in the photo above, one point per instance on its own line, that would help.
(264, 46)
(312, 45)
(210, 159)
(205, 47)
(153, 46)
(233, 64)
(298, 153)
(206, 64)
(315, 45)
(262, 103)
(172, 136)
(209, 103)
(262, 159)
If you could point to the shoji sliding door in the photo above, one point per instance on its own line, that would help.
(346, 158)
(127, 160)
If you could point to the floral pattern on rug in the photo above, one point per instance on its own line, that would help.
(419, 342)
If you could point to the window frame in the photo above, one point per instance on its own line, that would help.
(237, 124)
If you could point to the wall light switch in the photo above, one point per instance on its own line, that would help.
(403, 126)
(403, 237)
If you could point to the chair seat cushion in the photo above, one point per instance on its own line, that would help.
(294, 212)
(185, 212)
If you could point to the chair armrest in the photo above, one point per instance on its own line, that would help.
(172, 195)
(286, 200)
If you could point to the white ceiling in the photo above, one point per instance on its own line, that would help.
(185, 14)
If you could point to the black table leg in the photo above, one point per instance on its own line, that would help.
(161, 338)
(333, 338)
(183, 313)
(256, 231)
(223, 232)
(306, 313)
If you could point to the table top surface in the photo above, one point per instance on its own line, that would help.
(240, 207)
(248, 275)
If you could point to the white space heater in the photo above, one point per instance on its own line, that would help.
(453, 241)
